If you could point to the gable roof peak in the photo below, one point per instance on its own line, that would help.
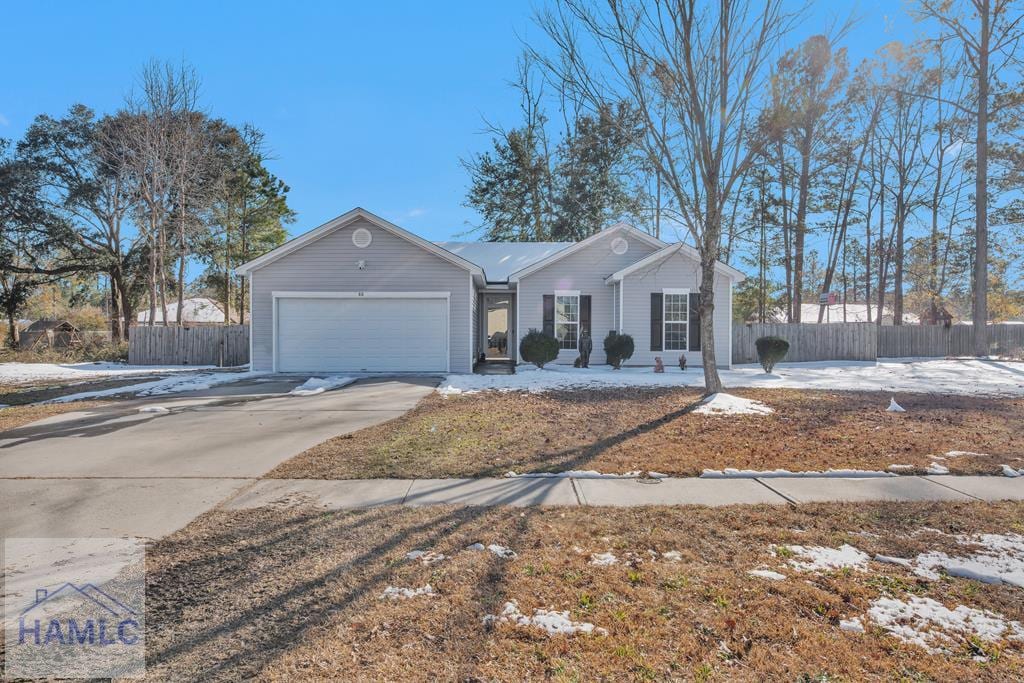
(343, 220)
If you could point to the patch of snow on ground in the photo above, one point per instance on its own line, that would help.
(936, 468)
(475, 547)
(767, 574)
(159, 410)
(891, 375)
(886, 559)
(163, 387)
(730, 472)
(672, 556)
(584, 474)
(318, 385)
(957, 454)
(1010, 472)
(894, 407)
(603, 559)
(851, 625)
(33, 372)
(727, 404)
(1000, 559)
(392, 593)
(817, 558)
(502, 552)
(550, 621)
(932, 625)
(900, 468)
(426, 557)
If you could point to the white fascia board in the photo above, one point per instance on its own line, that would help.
(733, 274)
(559, 255)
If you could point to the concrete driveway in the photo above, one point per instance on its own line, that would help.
(116, 471)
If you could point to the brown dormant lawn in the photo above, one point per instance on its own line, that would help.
(289, 593)
(21, 415)
(24, 401)
(627, 429)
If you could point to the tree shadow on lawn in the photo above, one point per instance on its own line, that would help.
(276, 608)
(579, 457)
(846, 424)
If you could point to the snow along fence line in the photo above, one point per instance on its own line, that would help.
(220, 345)
(867, 341)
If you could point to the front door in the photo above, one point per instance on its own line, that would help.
(499, 334)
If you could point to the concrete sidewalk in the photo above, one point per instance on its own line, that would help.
(363, 493)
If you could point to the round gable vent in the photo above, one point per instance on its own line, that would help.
(620, 246)
(361, 237)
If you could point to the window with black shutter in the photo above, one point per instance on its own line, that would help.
(549, 315)
(656, 313)
(694, 322)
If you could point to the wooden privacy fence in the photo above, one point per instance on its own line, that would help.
(905, 341)
(221, 345)
(867, 341)
(807, 342)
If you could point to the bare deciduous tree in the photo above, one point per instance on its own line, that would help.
(693, 71)
(989, 32)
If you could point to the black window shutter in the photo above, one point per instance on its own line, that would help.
(549, 314)
(694, 341)
(585, 313)
(656, 312)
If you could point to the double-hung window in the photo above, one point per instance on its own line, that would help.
(676, 319)
(567, 319)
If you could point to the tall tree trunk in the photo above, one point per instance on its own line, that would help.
(786, 231)
(980, 317)
(127, 310)
(883, 261)
(182, 260)
(933, 241)
(897, 284)
(709, 254)
(227, 286)
(12, 329)
(152, 279)
(114, 314)
(162, 275)
(801, 226)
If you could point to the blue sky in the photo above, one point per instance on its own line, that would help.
(368, 104)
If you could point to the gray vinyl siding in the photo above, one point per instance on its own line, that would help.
(674, 272)
(584, 270)
(393, 264)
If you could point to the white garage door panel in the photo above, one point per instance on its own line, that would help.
(362, 334)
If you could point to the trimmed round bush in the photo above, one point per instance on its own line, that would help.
(538, 348)
(618, 348)
(770, 350)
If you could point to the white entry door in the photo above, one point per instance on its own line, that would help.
(361, 334)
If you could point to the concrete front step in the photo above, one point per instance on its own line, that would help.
(362, 493)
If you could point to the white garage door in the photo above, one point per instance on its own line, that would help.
(362, 334)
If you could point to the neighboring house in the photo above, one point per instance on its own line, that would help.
(835, 313)
(362, 294)
(196, 311)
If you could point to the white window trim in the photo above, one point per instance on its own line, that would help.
(665, 321)
(568, 292)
